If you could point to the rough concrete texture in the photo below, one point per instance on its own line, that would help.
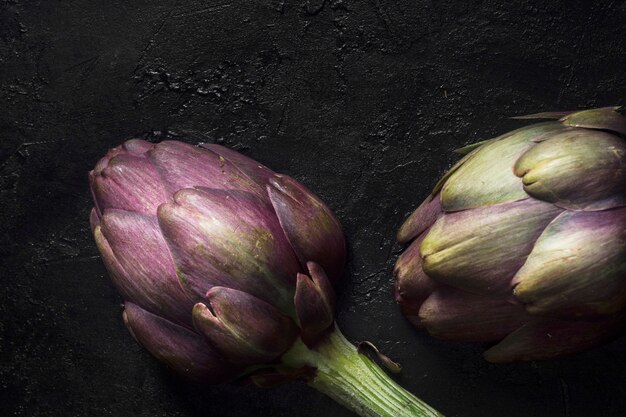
(361, 101)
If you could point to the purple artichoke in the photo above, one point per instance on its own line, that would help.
(523, 242)
(226, 269)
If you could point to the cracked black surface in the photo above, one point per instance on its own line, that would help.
(361, 101)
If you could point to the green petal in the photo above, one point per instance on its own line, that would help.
(544, 115)
(577, 169)
(480, 250)
(486, 177)
(469, 148)
(606, 118)
(577, 267)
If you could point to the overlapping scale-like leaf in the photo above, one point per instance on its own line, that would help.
(579, 169)
(244, 328)
(185, 166)
(140, 263)
(487, 178)
(230, 239)
(455, 315)
(128, 182)
(577, 267)
(480, 250)
(310, 226)
(182, 350)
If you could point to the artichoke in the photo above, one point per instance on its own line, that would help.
(227, 270)
(522, 244)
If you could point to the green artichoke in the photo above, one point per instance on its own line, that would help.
(523, 242)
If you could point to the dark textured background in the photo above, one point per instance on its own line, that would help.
(361, 101)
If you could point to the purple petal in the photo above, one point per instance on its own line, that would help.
(421, 219)
(480, 250)
(231, 239)
(244, 328)
(547, 338)
(130, 183)
(310, 226)
(412, 285)
(460, 316)
(141, 265)
(258, 172)
(315, 303)
(182, 350)
(186, 166)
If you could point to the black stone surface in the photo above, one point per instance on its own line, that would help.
(361, 101)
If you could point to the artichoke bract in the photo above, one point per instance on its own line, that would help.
(227, 270)
(523, 242)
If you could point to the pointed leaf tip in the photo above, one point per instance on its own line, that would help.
(605, 118)
(244, 328)
(315, 303)
(311, 228)
(181, 349)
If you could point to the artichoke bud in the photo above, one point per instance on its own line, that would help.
(244, 328)
(315, 303)
(311, 228)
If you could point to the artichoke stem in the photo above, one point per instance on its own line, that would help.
(355, 381)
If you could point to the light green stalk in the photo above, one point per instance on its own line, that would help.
(353, 380)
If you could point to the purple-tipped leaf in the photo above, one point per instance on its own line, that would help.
(129, 182)
(577, 267)
(232, 239)
(244, 328)
(142, 268)
(412, 285)
(460, 316)
(542, 339)
(186, 166)
(256, 171)
(182, 350)
(311, 228)
(480, 250)
(315, 303)
(422, 218)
